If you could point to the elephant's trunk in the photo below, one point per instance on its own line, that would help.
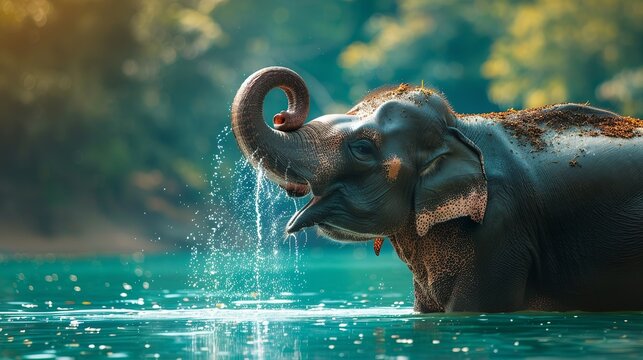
(284, 152)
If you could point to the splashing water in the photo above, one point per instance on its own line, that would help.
(246, 212)
(258, 249)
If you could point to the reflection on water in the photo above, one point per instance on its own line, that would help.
(351, 305)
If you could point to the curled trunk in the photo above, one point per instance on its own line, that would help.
(285, 152)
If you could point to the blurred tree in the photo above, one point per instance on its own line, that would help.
(116, 107)
(556, 51)
(57, 107)
(625, 89)
(442, 43)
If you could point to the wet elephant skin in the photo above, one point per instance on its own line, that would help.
(539, 209)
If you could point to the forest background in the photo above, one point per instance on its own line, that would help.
(111, 111)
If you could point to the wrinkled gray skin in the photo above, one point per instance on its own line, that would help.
(484, 222)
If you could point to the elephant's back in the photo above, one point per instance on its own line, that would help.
(587, 176)
(565, 145)
(536, 127)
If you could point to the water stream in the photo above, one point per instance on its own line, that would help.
(247, 212)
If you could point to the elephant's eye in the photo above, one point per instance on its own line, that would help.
(363, 150)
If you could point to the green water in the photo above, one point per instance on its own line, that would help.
(338, 303)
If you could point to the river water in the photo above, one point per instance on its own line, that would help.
(343, 303)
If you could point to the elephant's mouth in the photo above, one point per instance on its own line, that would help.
(295, 189)
(303, 218)
(318, 213)
(340, 234)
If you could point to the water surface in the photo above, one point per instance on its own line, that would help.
(345, 303)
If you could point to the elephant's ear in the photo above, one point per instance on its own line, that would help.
(452, 186)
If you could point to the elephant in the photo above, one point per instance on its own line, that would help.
(522, 210)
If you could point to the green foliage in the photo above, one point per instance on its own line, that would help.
(556, 51)
(441, 43)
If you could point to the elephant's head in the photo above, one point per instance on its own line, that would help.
(395, 158)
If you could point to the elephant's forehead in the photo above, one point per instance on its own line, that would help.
(393, 117)
(404, 96)
(403, 110)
